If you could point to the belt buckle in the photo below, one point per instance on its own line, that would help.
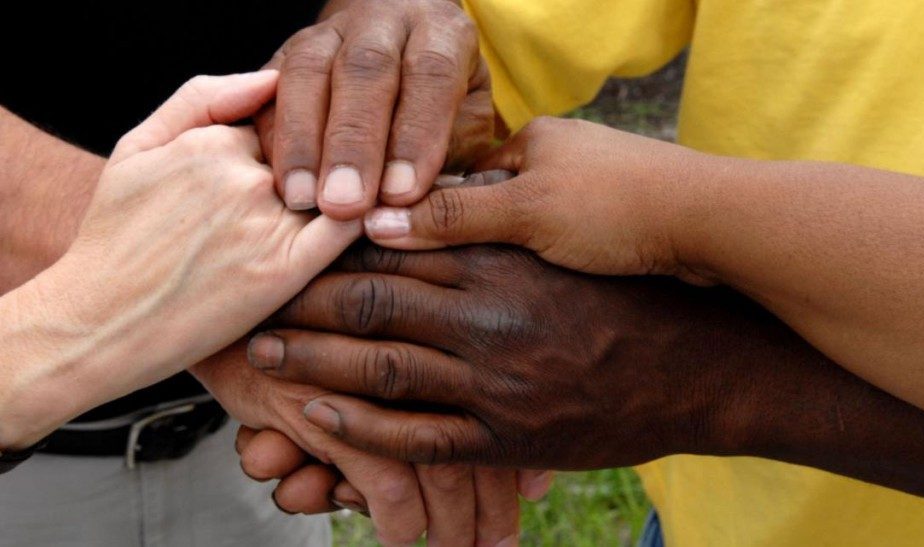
(137, 427)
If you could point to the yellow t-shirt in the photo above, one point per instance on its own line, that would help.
(838, 80)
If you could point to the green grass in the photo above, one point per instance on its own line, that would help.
(606, 507)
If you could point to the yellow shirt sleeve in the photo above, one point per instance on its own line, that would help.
(550, 56)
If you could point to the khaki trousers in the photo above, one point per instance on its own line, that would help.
(202, 500)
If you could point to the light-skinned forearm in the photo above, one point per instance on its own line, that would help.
(834, 250)
(55, 364)
(45, 187)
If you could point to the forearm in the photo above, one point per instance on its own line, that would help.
(45, 187)
(783, 400)
(53, 365)
(834, 250)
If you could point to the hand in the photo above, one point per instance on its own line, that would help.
(587, 197)
(185, 245)
(524, 350)
(453, 503)
(183, 249)
(379, 86)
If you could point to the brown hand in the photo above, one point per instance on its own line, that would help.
(380, 90)
(536, 366)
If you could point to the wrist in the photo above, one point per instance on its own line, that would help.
(65, 355)
(693, 211)
(34, 395)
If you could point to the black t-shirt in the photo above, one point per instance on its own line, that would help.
(90, 71)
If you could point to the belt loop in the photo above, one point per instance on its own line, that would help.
(131, 447)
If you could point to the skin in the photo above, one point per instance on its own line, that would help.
(632, 368)
(135, 298)
(831, 249)
(50, 179)
(403, 500)
(375, 101)
(47, 185)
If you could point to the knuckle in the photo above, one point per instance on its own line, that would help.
(369, 60)
(356, 129)
(367, 305)
(212, 138)
(258, 178)
(307, 63)
(385, 371)
(436, 67)
(375, 258)
(429, 444)
(447, 210)
(196, 85)
(394, 487)
(447, 478)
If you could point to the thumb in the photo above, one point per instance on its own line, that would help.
(318, 244)
(200, 102)
(475, 211)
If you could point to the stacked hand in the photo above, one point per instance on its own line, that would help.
(586, 197)
(184, 247)
(374, 102)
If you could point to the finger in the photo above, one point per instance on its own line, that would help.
(377, 305)
(307, 490)
(271, 455)
(381, 369)
(243, 438)
(364, 87)
(500, 213)
(302, 104)
(390, 490)
(202, 101)
(264, 120)
(534, 484)
(437, 268)
(473, 129)
(317, 245)
(408, 436)
(438, 61)
(498, 506)
(346, 496)
(449, 492)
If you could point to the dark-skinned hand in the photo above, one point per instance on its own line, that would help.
(374, 102)
(528, 350)
(535, 366)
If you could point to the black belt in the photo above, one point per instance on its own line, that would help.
(164, 432)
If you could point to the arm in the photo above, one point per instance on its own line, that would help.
(137, 296)
(45, 187)
(632, 369)
(833, 250)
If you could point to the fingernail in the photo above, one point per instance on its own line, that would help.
(323, 416)
(351, 506)
(448, 181)
(300, 187)
(343, 186)
(400, 178)
(388, 223)
(266, 351)
(509, 541)
(537, 488)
